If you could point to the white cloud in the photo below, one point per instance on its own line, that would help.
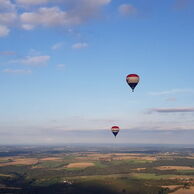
(48, 17)
(27, 26)
(34, 52)
(79, 45)
(7, 18)
(173, 91)
(6, 5)
(172, 110)
(64, 13)
(60, 66)
(35, 60)
(32, 2)
(17, 71)
(4, 30)
(79, 12)
(127, 9)
(57, 46)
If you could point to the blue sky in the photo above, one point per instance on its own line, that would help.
(63, 66)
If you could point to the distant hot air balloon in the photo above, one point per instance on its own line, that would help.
(115, 130)
(132, 80)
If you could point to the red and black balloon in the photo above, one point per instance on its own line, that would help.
(132, 80)
(115, 130)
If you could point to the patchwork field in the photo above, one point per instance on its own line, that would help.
(19, 161)
(80, 165)
(174, 168)
(95, 172)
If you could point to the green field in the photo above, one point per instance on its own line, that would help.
(150, 176)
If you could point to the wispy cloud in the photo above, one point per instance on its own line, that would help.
(32, 2)
(8, 17)
(172, 110)
(34, 60)
(80, 45)
(6, 5)
(127, 9)
(173, 91)
(57, 46)
(4, 30)
(17, 71)
(7, 53)
(47, 17)
(60, 66)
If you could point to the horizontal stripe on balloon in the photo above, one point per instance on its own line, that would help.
(115, 129)
(133, 75)
(132, 79)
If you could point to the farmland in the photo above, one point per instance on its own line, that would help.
(85, 170)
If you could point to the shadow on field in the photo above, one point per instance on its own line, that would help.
(61, 189)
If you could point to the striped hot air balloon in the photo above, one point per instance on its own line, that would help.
(115, 130)
(132, 80)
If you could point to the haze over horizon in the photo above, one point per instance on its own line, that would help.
(63, 66)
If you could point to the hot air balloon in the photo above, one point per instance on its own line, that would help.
(132, 80)
(115, 130)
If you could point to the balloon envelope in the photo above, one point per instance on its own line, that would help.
(132, 80)
(115, 130)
